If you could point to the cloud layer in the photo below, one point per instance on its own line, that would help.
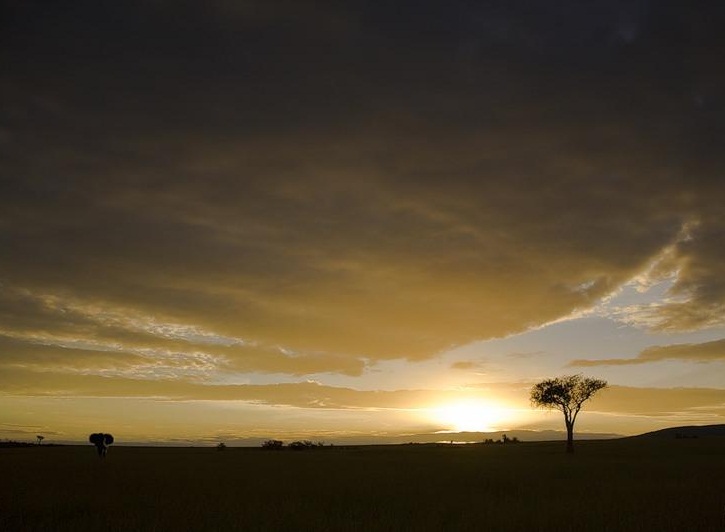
(619, 400)
(705, 352)
(289, 189)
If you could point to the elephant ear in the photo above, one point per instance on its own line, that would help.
(108, 439)
(96, 438)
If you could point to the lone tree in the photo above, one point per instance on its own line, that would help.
(568, 394)
(40, 438)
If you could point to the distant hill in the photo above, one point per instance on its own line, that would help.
(692, 431)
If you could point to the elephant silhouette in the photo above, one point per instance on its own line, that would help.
(101, 441)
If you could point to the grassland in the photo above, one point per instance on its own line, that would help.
(670, 485)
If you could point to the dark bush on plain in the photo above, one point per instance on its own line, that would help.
(273, 445)
(304, 445)
(504, 439)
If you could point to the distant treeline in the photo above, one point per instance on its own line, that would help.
(504, 439)
(13, 443)
(300, 445)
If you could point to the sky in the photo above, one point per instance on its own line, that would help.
(235, 220)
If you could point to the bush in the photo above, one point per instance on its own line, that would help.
(272, 445)
(304, 445)
(221, 446)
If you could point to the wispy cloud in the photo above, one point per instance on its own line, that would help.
(704, 352)
(312, 395)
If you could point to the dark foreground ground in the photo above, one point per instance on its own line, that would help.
(670, 485)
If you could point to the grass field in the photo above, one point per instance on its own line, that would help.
(659, 485)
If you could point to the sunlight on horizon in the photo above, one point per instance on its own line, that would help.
(471, 416)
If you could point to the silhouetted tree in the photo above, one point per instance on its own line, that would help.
(40, 439)
(101, 441)
(221, 446)
(273, 445)
(567, 394)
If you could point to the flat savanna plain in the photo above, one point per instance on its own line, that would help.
(628, 484)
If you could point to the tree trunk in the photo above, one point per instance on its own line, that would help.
(569, 437)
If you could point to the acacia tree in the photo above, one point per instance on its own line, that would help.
(567, 394)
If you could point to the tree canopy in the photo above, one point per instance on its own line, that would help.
(567, 394)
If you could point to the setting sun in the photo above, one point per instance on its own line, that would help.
(470, 416)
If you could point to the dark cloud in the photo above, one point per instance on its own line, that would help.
(705, 352)
(353, 183)
(659, 401)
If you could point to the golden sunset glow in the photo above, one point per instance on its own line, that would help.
(358, 222)
(471, 416)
